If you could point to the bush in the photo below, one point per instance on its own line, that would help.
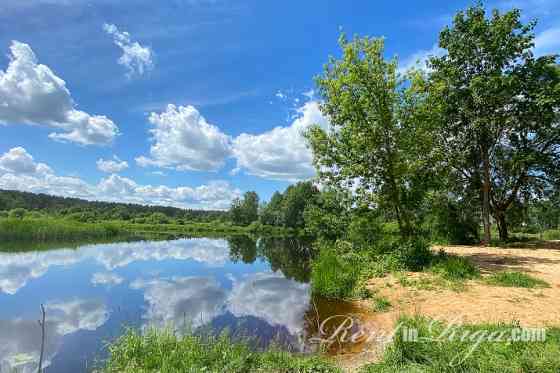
(333, 275)
(516, 279)
(18, 213)
(452, 267)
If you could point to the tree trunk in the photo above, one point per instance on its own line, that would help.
(486, 195)
(502, 225)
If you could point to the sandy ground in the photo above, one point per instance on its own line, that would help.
(477, 302)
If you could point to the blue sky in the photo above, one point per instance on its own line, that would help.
(85, 89)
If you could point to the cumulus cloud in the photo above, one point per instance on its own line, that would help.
(19, 171)
(182, 139)
(17, 269)
(30, 93)
(77, 314)
(111, 166)
(137, 59)
(548, 42)
(282, 153)
(106, 278)
(20, 339)
(194, 300)
(271, 297)
(19, 350)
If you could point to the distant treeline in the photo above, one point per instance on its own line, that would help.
(91, 211)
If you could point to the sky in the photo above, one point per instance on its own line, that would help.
(188, 103)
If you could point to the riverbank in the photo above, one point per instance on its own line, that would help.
(65, 230)
(517, 286)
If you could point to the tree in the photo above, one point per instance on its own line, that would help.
(377, 144)
(499, 111)
(245, 211)
(296, 198)
(271, 213)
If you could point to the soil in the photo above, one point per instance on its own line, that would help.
(476, 302)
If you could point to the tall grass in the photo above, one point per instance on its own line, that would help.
(433, 354)
(47, 229)
(334, 275)
(552, 234)
(516, 279)
(165, 352)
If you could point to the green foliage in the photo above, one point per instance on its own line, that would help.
(95, 211)
(43, 230)
(378, 139)
(288, 209)
(497, 105)
(455, 268)
(244, 212)
(165, 352)
(334, 276)
(453, 222)
(327, 218)
(516, 279)
(434, 354)
(381, 304)
(552, 234)
(158, 218)
(18, 213)
(365, 228)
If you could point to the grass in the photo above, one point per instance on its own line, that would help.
(381, 304)
(48, 229)
(432, 353)
(516, 279)
(333, 276)
(454, 268)
(551, 234)
(164, 352)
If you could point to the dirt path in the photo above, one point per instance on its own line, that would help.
(477, 302)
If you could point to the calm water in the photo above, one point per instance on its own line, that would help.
(252, 288)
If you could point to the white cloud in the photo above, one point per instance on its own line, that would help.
(19, 171)
(548, 42)
(192, 300)
(111, 166)
(136, 58)
(17, 269)
(77, 314)
(185, 141)
(419, 59)
(281, 95)
(106, 278)
(281, 153)
(271, 297)
(30, 93)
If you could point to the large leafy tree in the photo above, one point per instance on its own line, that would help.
(245, 211)
(377, 144)
(499, 105)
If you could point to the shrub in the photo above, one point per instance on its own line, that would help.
(452, 267)
(516, 279)
(333, 275)
(18, 213)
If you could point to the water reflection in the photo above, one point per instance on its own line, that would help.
(251, 287)
(182, 302)
(20, 340)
